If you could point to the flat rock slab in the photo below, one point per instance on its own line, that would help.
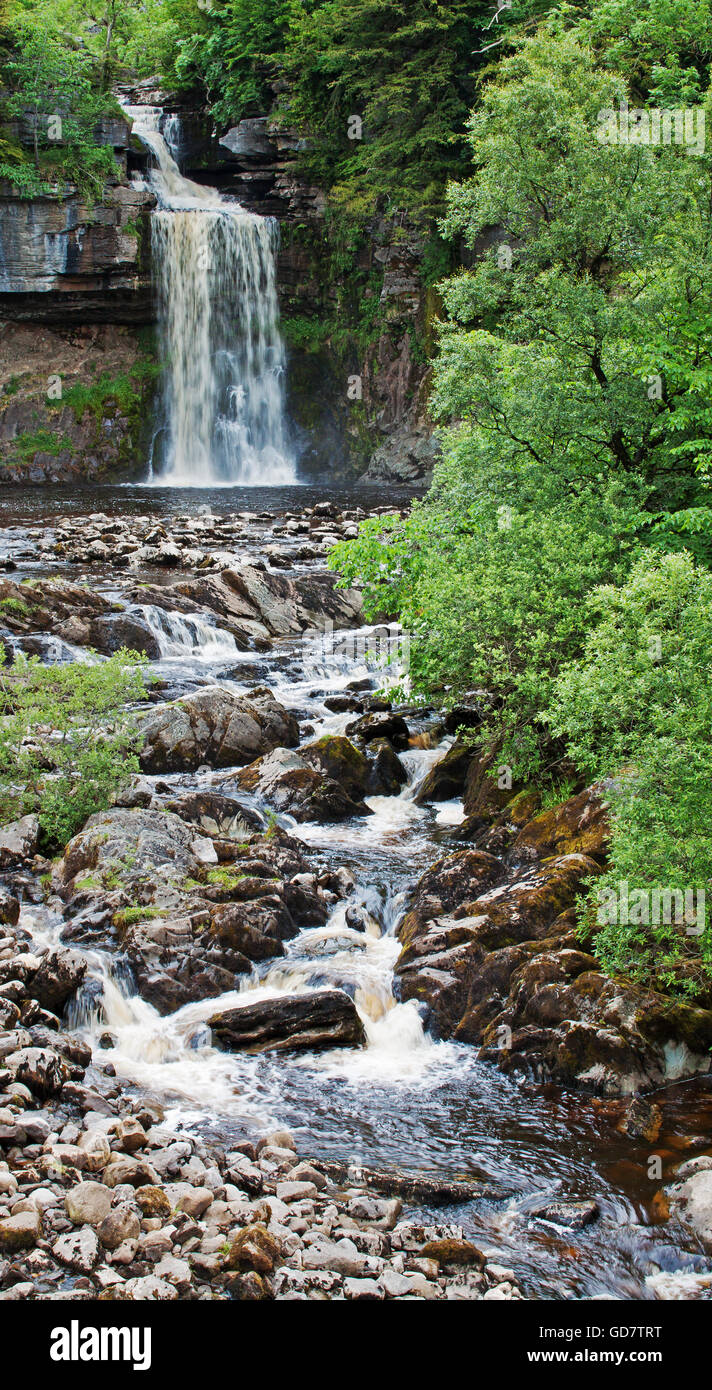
(318, 1019)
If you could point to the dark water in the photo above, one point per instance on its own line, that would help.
(24, 506)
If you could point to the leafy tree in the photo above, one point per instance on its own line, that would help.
(53, 88)
(636, 707)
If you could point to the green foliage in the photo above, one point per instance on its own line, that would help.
(573, 389)
(638, 704)
(124, 390)
(67, 739)
(27, 444)
(58, 94)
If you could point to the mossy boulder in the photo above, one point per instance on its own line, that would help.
(578, 826)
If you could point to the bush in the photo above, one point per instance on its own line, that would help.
(638, 705)
(67, 741)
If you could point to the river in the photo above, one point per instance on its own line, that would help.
(407, 1100)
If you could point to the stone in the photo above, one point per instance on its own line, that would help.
(254, 1248)
(120, 1224)
(573, 1215)
(174, 1271)
(312, 1020)
(289, 783)
(381, 1212)
(58, 978)
(453, 1252)
(295, 1191)
(122, 1169)
(215, 728)
(147, 1289)
(341, 1256)
(43, 1071)
(153, 1201)
(691, 1198)
(88, 1203)
(19, 841)
(97, 1150)
(79, 1250)
(20, 1232)
(363, 1290)
(381, 725)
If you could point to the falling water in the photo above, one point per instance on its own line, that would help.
(214, 265)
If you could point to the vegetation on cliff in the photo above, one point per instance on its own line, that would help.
(561, 559)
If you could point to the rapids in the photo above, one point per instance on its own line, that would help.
(407, 1100)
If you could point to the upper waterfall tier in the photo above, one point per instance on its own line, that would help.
(214, 265)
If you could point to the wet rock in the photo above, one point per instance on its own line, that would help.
(642, 1119)
(313, 1020)
(58, 978)
(215, 728)
(573, 1215)
(447, 778)
(386, 773)
(385, 725)
(9, 908)
(115, 631)
(690, 1198)
(339, 759)
(453, 1252)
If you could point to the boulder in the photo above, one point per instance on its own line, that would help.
(18, 842)
(447, 778)
(214, 728)
(219, 816)
(114, 631)
(690, 1197)
(386, 773)
(313, 1020)
(337, 758)
(288, 782)
(385, 724)
(577, 826)
(43, 1071)
(58, 978)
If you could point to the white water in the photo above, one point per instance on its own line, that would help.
(214, 266)
(187, 636)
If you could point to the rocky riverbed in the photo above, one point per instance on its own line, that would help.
(293, 1018)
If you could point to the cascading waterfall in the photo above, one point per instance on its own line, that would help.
(219, 325)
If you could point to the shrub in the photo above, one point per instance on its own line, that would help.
(67, 741)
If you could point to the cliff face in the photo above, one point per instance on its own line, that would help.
(65, 259)
(357, 401)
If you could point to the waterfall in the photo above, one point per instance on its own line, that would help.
(184, 636)
(218, 312)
